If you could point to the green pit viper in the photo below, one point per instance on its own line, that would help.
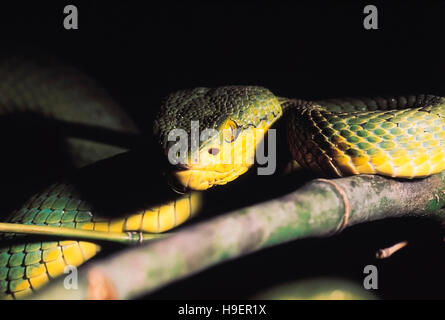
(401, 136)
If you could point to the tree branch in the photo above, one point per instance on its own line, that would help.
(319, 208)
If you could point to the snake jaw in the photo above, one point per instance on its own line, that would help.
(202, 179)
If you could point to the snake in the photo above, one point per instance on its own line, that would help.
(394, 136)
(398, 136)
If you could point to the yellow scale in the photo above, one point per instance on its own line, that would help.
(406, 143)
(32, 265)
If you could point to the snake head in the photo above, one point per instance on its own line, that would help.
(209, 135)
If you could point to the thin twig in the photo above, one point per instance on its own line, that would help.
(121, 237)
(388, 252)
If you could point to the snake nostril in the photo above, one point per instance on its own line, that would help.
(213, 151)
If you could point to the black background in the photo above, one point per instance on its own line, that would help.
(141, 52)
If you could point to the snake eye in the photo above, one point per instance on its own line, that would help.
(230, 131)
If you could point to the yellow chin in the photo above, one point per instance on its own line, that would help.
(202, 179)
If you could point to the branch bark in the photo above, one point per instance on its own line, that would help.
(319, 208)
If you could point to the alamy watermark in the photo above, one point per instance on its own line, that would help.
(227, 147)
(371, 280)
(371, 20)
(70, 281)
(71, 20)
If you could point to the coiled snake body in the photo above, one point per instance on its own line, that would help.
(396, 137)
